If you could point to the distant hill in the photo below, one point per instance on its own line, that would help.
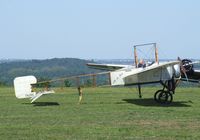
(44, 69)
(51, 68)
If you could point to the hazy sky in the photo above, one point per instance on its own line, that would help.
(39, 29)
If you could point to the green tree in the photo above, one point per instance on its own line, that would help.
(2, 84)
(88, 83)
(43, 82)
(67, 83)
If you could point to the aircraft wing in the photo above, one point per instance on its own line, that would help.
(193, 77)
(197, 72)
(108, 67)
(196, 75)
(190, 80)
(150, 74)
(161, 65)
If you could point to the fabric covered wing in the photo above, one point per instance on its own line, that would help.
(154, 73)
(108, 67)
(192, 77)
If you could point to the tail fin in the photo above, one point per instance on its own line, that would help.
(22, 86)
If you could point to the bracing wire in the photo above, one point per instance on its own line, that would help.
(149, 54)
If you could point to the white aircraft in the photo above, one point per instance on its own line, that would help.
(168, 74)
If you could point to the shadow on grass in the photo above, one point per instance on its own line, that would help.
(153, 103)
(44, 103)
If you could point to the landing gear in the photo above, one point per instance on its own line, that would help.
(165, 95)
(139, 88)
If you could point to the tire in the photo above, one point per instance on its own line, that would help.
(163, 97)
(156, 95)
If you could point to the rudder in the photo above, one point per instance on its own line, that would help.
(23, 88)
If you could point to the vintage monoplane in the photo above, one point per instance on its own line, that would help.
(168, 74)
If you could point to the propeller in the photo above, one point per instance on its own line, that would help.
(188, 65)
(183, 68)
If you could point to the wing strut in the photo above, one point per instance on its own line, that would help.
(139, 89)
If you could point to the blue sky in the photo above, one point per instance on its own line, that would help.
(103, 29)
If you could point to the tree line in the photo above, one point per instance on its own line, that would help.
(43, 69)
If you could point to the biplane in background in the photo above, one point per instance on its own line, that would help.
(168, 74)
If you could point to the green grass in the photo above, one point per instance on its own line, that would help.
(105, 113)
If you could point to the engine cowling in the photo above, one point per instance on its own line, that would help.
(188, 66)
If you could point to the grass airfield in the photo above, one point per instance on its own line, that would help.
(105, 113)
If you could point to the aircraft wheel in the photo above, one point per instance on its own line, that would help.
(170, 97)
(156, 95)
(165, 97)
